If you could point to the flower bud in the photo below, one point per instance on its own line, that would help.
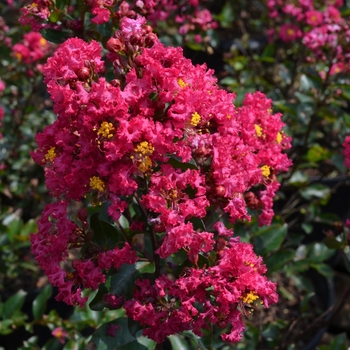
(147, 29)
(150, 39)
(123, 62)
(201, 152)
(251, 200)
(131, 14)
(220, 244)
(114, 45)
(135, 39)
(83, 73)
(115, 82)
(130, 49)
(158, 228)
(82, 214)
(219, 191)
(222, 324)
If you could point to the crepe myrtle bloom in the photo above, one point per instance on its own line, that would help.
(163, 137)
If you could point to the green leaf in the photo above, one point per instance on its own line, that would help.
(228, 81)
(320, 252)
(316, 153)
(61, 4)
(333, 243)
(345, 91)
(178, 342)
(55, 16)
(269, 51)
(28, 228)
(298, 266)
(226, 15)
(52, 344)
(323, 269)
(271, 333)
(122, 340)
(13, 304)
(194, 46)
(304, 306)
(328, 218)
(339, 342)
(278, 260)
(338, 161)
(178, 164)
(105, 235)
(133, 326)
(270, 238)
(56, 36)
(198, 340)
(121, 283)
(98, 303)
(307, 227)
(14, 229)
(252, 333)
(298, 179)
(39, 303)
(315, 191)
(6, 327)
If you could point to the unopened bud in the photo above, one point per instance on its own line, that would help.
(200, 152)
(130, 48)
(115, 82)
(147, 29)
(83, 214)
(158, 228)
(150, 39)
(123, 62)
(251, 200)
(220, 244)
(135, 39)
(114, 45)
(83, 73)
(219, 191)
(131, 14)
(222, 324)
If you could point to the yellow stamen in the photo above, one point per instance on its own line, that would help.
(228, 117)
(143, 150)
(265, 170)
(250, 297)
(181, 83)
(279, 138)
(51, 154)
(43, 42)
(97, 184)
(195, 119)
(18, 56)
(106, 130)
(258, 130)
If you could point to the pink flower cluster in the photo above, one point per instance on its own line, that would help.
(346, 146)
(4, 38)
(189, 15)
(36, 14)
(164, 137)
(320, 26)
(57, 235)
(216, 295)
(32, 49)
